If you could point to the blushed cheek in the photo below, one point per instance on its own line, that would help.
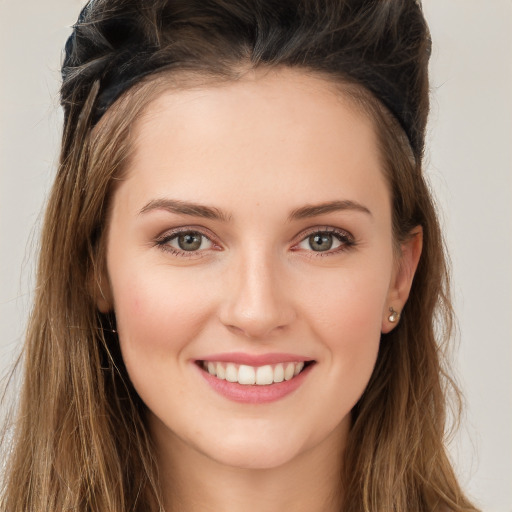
(152, 329)
(349, 324)
(154, 316)
(355, 345)
(350, 306)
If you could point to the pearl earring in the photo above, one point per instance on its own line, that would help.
(394, 315)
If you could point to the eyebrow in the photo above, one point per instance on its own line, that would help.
(210, 212)
(186, 208)
(308, 211)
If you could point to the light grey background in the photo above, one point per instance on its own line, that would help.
(469, 163)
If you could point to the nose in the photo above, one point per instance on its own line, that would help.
(256, 300)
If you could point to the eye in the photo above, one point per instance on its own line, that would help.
(327, 241)
(322, 242)
(185, 242)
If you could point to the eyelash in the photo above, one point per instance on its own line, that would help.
(162, 242)
(344, 237)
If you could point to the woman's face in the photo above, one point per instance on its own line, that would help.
(250, 237)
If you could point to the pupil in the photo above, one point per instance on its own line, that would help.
(189, 241)
(320, 241)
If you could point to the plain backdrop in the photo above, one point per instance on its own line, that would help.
(469, 164)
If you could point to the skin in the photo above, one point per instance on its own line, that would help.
(256, 150)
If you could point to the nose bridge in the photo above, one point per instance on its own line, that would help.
(256, 302)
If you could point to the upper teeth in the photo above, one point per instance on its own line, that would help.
(259, 375)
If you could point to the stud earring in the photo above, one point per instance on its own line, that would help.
(394, 315)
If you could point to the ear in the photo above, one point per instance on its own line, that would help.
(403, 275)
(101, 289)
(103, 297)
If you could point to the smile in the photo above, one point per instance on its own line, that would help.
(254, 375)
(254, 379)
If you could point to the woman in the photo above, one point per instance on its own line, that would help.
(241, 267)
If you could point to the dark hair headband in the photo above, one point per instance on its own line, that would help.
(111, 44)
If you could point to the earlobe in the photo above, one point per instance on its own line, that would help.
(402, 279)
(101, 291)
(103, 304)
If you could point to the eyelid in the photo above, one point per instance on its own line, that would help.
(186, 229)
(324, 229)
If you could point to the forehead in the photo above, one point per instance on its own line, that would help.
(271, 130)
(305, 92)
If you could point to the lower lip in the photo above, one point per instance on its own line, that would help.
(253, 394)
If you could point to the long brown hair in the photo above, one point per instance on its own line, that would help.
(80, 440)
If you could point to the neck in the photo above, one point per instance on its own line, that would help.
(193, 482)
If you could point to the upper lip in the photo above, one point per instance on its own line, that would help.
(254, 359)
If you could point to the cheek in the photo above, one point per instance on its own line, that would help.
(345, 313)
(157, 315)
(159, 300)
(350, 303)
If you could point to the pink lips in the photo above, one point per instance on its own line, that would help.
(254, 394)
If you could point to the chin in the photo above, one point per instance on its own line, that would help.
(248, 454)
